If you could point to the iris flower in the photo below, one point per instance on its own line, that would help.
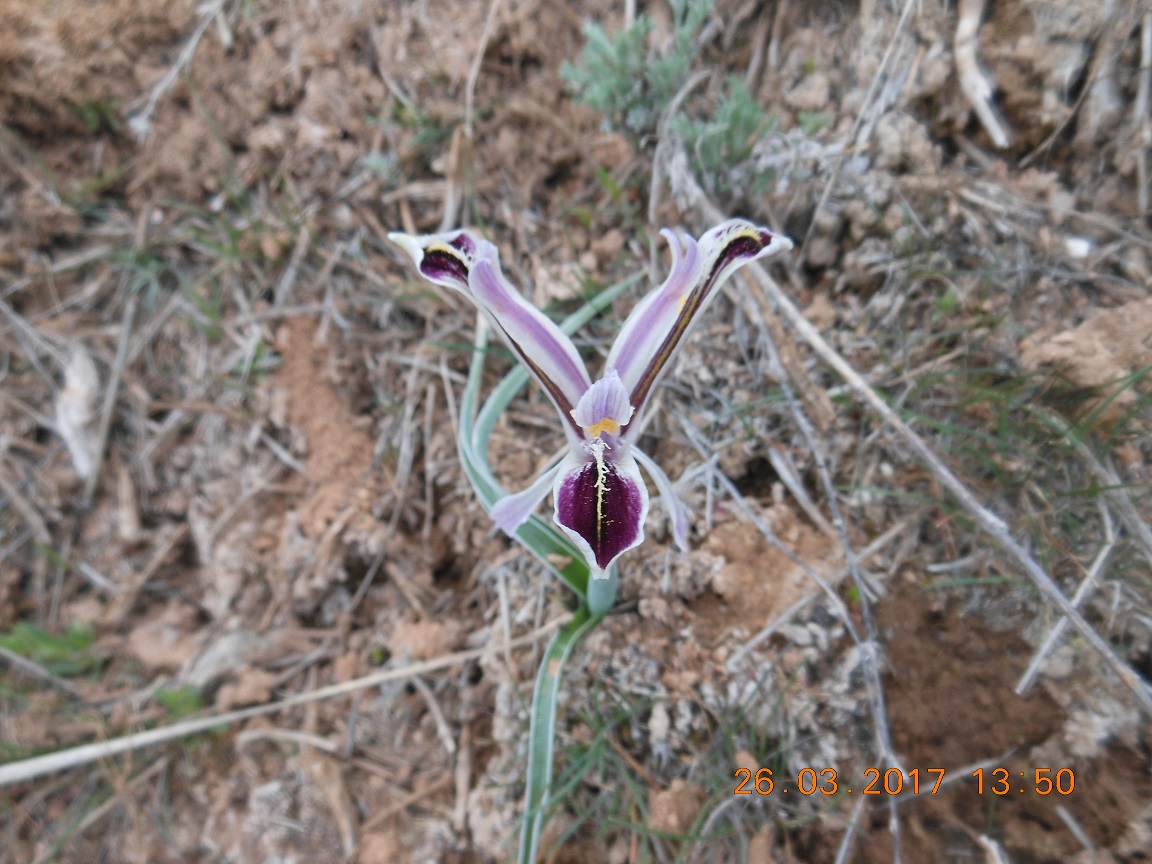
(601, 500)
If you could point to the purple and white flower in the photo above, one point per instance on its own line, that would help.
(600, 498)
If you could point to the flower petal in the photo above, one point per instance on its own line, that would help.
(655, 329)
(445, 259)
(512, 511)
(601, 504)
(463, 261)
(677, 512)
(541, 345)
(604, 407)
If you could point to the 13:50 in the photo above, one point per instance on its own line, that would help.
(1044, 781)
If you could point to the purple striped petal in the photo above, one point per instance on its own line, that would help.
(444, 259)
(467, 263)
(655, 330)
(542, 346)
(601, 504)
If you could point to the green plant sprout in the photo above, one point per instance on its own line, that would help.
(722, 147)
(600, 498)
(618, 77)
(66, 654)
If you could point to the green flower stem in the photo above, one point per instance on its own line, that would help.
(602, 593)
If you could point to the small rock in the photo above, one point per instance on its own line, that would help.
(811, 94)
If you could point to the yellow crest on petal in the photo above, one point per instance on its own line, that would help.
(605, 425)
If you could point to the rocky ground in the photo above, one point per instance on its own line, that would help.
(228, 468)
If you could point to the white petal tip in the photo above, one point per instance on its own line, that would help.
(409, 244)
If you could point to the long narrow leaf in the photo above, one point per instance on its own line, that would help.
(542, 731)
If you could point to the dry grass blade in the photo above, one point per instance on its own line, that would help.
(1142, 117)
(869, 657)
(101, 441)
(873, 88)
(108, 806)
(35, 670)
(845, 850)
(773, 300)
(141, 122)
(972, 81)
(1115, 490)
(752, 643)
(868, 649)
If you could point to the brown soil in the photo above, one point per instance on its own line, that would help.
(280, 506)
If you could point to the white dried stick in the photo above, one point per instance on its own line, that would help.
(973, 82)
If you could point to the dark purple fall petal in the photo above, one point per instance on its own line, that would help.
(603, 506)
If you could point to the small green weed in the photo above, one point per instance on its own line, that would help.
(180, 701)
(429, 133)
(721, 148)
(66, 654)
(619, 76)
(98, 115)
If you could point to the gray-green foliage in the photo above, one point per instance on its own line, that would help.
(721, 147)
(625, 79)
(619, 77)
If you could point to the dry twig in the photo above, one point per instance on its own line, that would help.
(873, 87)
(38, 766)
(1085, 586)
(141, 122)
(973, 82)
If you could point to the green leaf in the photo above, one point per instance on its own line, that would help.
(542, 731)
(180, 701)
(65, 654)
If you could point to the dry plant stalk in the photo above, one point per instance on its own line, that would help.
(973, 83)
(770, 296)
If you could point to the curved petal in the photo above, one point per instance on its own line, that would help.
(604, 407)
(655, 330)
(467, 263)
(512, 511)
(541, 345)
(601, 504)
(677, 512)
(444, 259)
(651, 319)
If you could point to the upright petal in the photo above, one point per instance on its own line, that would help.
(463, 261)
(541, 345)
(604, 407)
(601, 504)
(655, 330)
